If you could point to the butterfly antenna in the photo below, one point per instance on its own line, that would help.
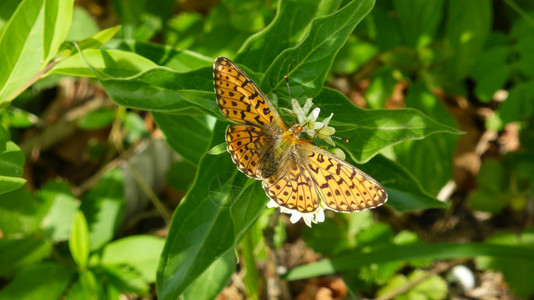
(288, 88)
(340, 138)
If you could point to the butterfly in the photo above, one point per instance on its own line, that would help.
(295, 174)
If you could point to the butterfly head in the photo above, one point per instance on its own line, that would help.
(296, 129)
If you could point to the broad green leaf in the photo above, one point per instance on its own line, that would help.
(62, 207)
(307, 64)
(165, 56)
(161, 89)
(435, 170)
(7, 7)
(79, 241)
(103, 207)
(112, 62)
(140, 252)
(292, 20)
(16, 254)
(218, 275)
(435, 251)
(209, 221)
(58, 17)
(369, 131)
(196, 130)
(30, 39)
(43, 281)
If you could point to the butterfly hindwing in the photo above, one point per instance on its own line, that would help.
(291, 186)
(341, 186)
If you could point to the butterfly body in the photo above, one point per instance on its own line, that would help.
(295, 174)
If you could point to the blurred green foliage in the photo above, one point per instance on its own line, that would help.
(159, 59)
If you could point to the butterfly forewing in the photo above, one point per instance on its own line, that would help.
(239, 99)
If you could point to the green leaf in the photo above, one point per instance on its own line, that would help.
(292, 21)
(514, 269)
(30, 39)
(11, 164)
(525, 48)
(135, 126)
(217, 274)
(140, 252)
(435, 170)
(309, 62)
(395, 253)
(209, 221)
(83, 26)
(79, 241)
(43, 281)
(19, 213)
(468, 25)
(8, 183)
(381, 87)
(369, 131)
(97, 119)
(432, 288)
(519, 105)
(112, 62)
(160, 89)
(196, 130)
(85, 288)
(62, 207)
(20, 119)
(16, 254)
(419, 20)
(103, 207)
(491, 71)
(123, 278)
(181, 175)
(165, 56)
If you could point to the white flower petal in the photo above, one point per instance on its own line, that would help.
(314, 114)
(272, 204)
(319, 217)
(295, 217)
(307, 219)
(338, 152)
(301, 116)
(307, 105)
(327, 120)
